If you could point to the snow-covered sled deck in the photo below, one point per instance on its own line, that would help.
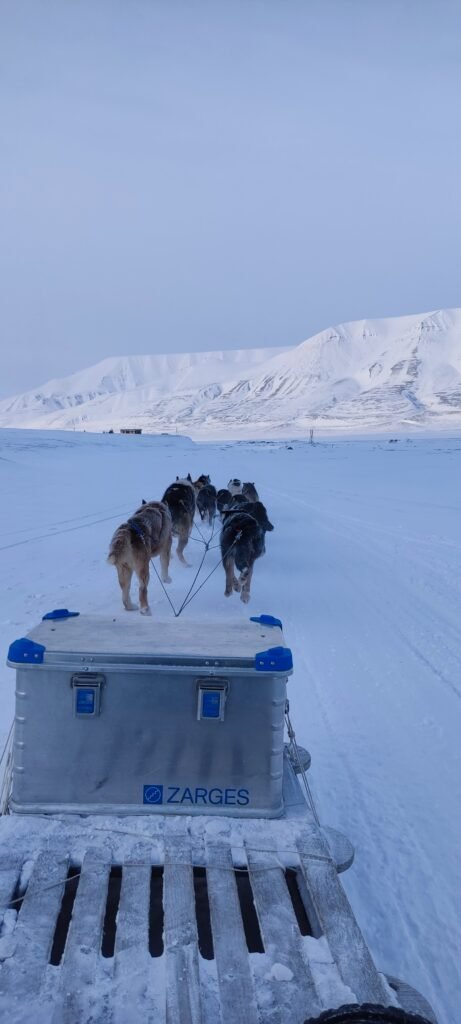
(118, 921)
(163, 864)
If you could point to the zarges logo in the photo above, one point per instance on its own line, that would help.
(198, 795)
(153, 795)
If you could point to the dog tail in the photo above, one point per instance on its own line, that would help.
(115, 552)
(242, 561)
(117, 546)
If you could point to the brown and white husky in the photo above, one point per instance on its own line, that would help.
(146, 534)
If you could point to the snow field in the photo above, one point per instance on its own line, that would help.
(363, 568)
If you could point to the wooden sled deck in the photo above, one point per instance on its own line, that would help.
(180, 921)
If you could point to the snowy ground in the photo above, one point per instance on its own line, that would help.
(363, 567)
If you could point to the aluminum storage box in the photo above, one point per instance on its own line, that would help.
(131, 715)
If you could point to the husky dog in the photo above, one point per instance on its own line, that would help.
(238, 501)
(223, 499)
(180, 498)
(148, 533)
(235, 486)
(202, 481)
(242, 542)
(250, 492)
(206, 502)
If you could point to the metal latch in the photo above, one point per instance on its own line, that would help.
(212, 694)
(87, 694)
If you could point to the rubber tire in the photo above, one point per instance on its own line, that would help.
(367, 1014)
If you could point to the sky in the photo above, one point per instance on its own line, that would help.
(214, 174)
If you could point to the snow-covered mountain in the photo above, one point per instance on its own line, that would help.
(369, 374)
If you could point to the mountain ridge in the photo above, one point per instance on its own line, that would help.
(364, 374)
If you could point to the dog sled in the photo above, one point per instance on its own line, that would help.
(162, 857)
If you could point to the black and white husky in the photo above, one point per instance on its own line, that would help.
(242, 542)
(235, 486)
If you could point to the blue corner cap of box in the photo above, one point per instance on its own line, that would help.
(275, 659)
(266, 620)
(60, 613)
(26, 652)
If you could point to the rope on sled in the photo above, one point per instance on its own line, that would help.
(276, 852)
(189, 596)
(5, 784)
(297, 758)
(206, 543)
(191, 593)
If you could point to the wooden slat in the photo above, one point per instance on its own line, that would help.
(10, 870)
(88, 988)
(133, 911)
(297, 998)
(237, 998)
(24, 971)
(82, 953)
(338, 923)
(181, 941)
(139, 978)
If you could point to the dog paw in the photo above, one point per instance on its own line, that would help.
(227, 593)
(131, 607)
(167, 579)
(244, 596)
(145, 611)
(237, 586)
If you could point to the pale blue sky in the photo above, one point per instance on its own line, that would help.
(219, 174)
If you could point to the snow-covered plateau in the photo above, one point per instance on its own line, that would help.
(400, 372)
(364, 569)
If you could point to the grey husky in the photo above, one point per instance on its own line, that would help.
(180, 498)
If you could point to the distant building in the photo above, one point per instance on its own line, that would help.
(130, 430)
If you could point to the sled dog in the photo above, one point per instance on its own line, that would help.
(250, 492)
(242, 542)
(180, 498)
(238, 501)
(223, 499)
(148, 533)
(201, 481)
(235, 486)
(206, 502)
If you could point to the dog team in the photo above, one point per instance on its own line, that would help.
(150, 531)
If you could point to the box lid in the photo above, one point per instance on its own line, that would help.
(118, 640)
